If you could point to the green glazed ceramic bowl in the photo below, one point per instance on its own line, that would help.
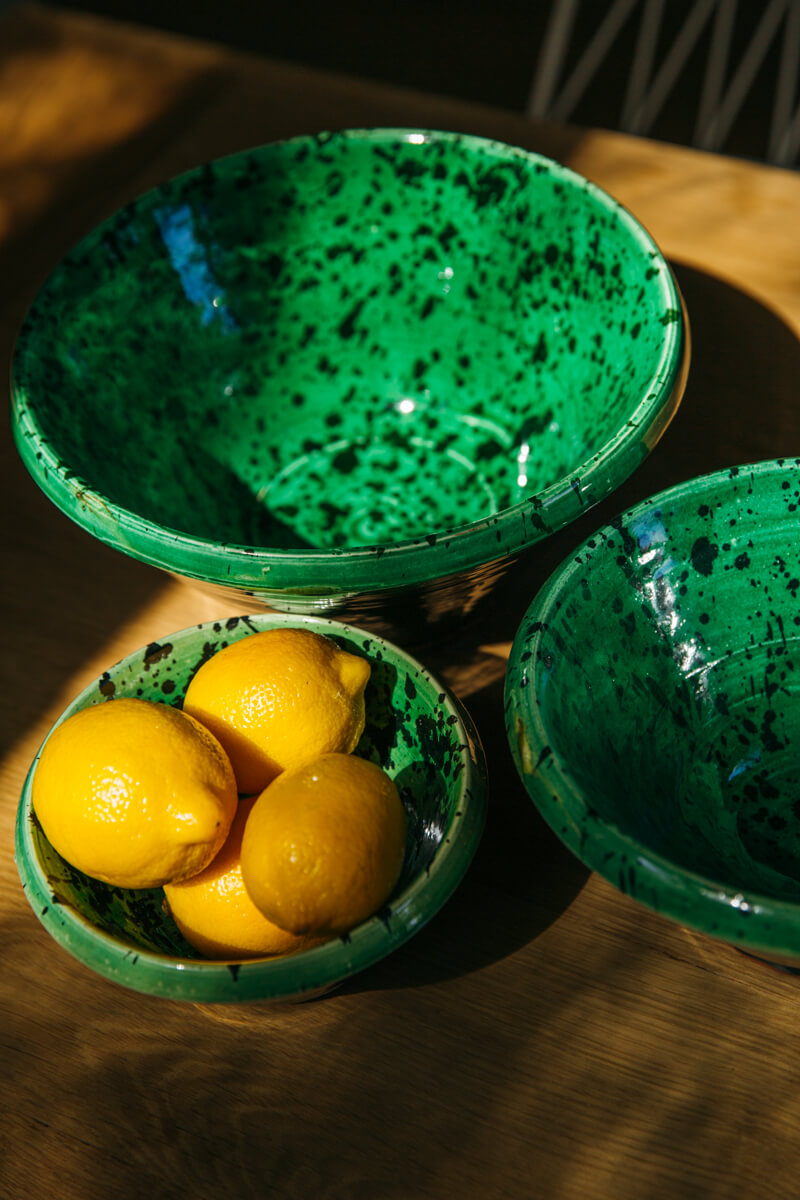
(352, 373)
(415, 729)
(653, 705)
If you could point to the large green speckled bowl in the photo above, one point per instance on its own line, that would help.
(355, 373)
(415, 729)
(653, 705)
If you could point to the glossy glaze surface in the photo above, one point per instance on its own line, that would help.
(415, 730)
(349, 363)
(653, 704)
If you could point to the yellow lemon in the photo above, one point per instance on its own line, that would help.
(134, 793)
(216, 915)
(324, 844)
(278, 699)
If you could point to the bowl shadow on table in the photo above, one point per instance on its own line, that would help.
(737, 408)
(739, 401)
(518, 884)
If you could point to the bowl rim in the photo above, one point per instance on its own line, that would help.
(345, 570)
(745, 918)
(292, 977)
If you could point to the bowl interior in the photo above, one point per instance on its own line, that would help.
(347, 340)
(654, 700)
(414, 730)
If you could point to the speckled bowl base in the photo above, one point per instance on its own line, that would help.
(348, 363)
(419, 615)
(653, 705)
(415, 729)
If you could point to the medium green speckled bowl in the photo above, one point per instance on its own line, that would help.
(356, 373)
(415, 729)
(653, 705)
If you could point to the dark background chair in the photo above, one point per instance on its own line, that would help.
(720, 74)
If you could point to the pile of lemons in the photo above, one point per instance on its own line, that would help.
(247, 805)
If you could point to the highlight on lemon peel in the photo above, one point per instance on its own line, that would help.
(215, 913)
(134, 793)
(324, 844)
(278, 699)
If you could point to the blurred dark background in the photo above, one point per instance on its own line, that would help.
(491, 50)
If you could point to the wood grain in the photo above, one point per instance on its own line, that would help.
(543, 1036)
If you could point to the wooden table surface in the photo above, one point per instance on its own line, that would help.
(544, 1036)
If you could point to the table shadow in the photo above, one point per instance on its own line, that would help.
(520, 881)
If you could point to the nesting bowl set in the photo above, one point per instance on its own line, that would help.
(347, 381)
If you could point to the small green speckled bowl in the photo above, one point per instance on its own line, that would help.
(355, 374)
(415, 729)
(653, 705)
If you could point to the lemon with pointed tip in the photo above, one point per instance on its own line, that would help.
(324, 845)
(216, 915)
(278, 699)
(134, 793)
